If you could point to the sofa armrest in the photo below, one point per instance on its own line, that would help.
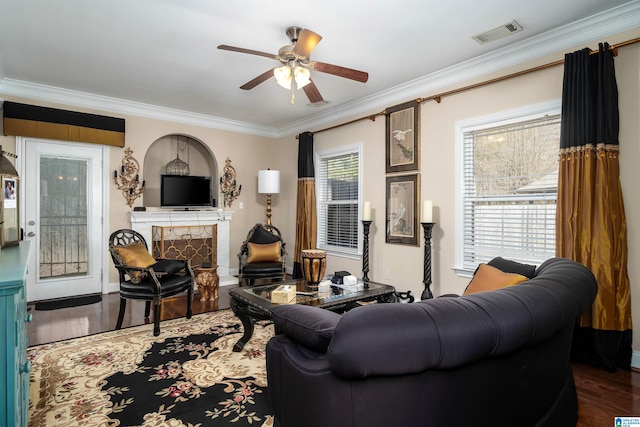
(311, 327)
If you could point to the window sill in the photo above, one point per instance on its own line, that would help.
(467, 274)
(339, 254)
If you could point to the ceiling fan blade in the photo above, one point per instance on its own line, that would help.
(336, 70)
(249, 51)
(312, 92)
(255, 82)
(307, 41)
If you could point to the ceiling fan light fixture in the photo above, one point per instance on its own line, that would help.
(283, 76)
(302, 76)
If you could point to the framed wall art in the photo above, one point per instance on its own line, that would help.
(9, 215)
(403, 137)
(402, 209)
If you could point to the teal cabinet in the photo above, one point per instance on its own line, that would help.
(14, 366)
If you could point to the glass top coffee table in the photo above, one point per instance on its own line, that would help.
(251, 304)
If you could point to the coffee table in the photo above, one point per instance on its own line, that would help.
(251, 304)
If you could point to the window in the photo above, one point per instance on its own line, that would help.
(508, 191)
(338, 199)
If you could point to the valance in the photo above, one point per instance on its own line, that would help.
(51, 123)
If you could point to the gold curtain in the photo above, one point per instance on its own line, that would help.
(590, 224)
(592, 230)
(306, 217)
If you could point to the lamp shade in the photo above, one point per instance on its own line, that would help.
(268, 181)
(302, 76)
(283, 76)
(287, 73)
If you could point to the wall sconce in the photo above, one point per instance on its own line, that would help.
(228, 184)
(129, 178)
(268, 183)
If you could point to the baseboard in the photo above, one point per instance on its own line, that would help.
(111, 288)
(228, 280)
(635, 359)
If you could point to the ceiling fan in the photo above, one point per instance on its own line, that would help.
(295, 71)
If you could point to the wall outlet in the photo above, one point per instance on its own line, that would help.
(387, 275)
(241, 205)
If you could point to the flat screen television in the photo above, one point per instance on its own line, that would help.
(184, 191)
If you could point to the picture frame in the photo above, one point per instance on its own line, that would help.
(402, 209)
(403, 137)
(9, 214)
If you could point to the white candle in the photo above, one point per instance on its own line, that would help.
(427, 211)
(366, 211)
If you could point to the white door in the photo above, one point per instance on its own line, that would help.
(62, 192)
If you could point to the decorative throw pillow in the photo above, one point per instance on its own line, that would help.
(264, 253)
(135, 255)
(488, 278)
(262, 236)
(169, 267)
(509, 266)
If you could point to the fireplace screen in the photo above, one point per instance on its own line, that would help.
(197, 243)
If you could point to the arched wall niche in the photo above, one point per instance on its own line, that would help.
(201, 161)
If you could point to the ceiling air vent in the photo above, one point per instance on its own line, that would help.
(498, 33)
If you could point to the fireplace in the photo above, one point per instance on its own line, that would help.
(143, 223)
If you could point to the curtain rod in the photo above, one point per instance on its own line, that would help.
(438, 97)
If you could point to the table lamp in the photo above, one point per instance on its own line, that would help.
(268, 183)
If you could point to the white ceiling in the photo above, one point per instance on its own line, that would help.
(159, 57)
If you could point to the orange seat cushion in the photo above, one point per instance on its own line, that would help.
(488, 278)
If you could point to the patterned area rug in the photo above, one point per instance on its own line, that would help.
(188, 376)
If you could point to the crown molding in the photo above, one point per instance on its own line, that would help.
(561, 39)
(18, 88)
(614, 21)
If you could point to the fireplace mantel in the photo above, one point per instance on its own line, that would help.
(143, 221)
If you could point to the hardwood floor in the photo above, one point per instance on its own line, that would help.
(602, 395)
(65, 323)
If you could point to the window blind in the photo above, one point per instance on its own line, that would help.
(337, 193)
(510, 180)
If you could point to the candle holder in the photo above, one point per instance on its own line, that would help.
(128, 181)
(428, 227)
(365, 252)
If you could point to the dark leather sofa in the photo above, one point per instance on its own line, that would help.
(498, 358)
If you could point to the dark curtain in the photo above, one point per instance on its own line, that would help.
(591, 226)
(306, 218)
